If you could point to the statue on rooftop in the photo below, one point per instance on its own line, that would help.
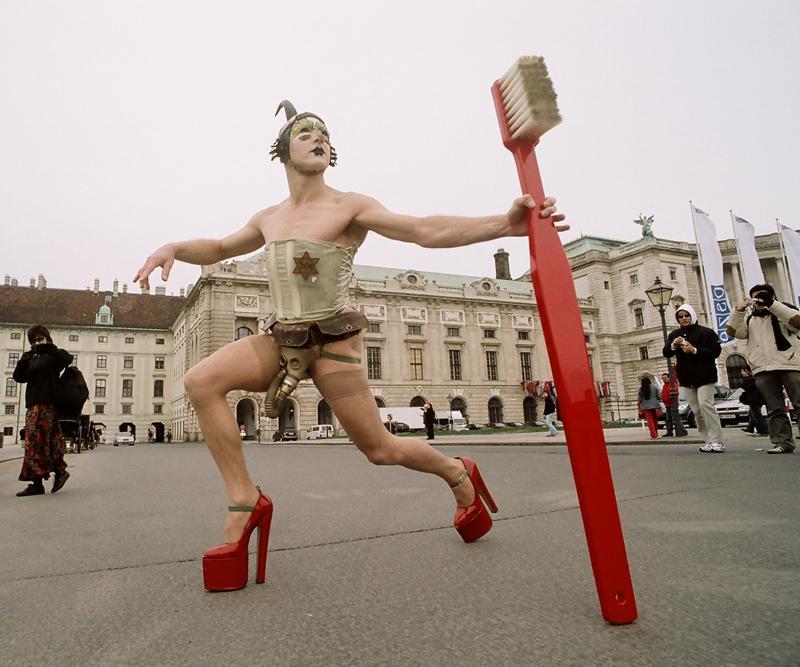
(646, 221)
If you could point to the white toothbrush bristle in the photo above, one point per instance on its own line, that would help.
(529, 99)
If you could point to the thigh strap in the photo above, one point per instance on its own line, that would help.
(339, 357)
(342, 384)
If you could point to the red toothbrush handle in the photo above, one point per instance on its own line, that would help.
(569, 361)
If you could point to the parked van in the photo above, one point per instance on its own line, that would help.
(320, 431)
(451, 420)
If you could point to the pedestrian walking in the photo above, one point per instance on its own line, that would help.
(696, 349)
(429, 419)
(754, 400)
(39, 368)
(649, 405)
(672, 419)
(768, 330)
(549, 413)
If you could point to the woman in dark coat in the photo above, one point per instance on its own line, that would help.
(429, 419)
(39, 367)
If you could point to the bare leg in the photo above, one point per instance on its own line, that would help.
(349, 396)
(250, 364)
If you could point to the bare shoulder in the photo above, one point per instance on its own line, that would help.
(264, 215)
(358, 202)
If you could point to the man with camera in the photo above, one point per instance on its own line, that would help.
(696, 349)
(768, 330)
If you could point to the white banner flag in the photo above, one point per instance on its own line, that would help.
(791, 246)
(745, 235)
(711, 260)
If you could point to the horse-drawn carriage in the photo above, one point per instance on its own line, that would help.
(79, 433)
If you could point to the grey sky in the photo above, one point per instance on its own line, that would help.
(125, 125)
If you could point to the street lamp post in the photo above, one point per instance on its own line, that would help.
(659, 295)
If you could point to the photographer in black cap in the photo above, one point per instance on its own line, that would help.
(768, 329)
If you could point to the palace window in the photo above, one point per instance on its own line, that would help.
(525, 365)
(99, 388)
(373, 363)
(415, 360)
(127, 388)
(455, 364)
(491, 365)
(453, 332)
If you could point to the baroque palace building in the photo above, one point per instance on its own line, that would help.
(468, 343)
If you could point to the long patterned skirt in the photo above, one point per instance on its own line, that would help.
(44, 449)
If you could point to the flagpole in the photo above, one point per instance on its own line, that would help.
(785, 261)
(702, 271)
(739, 255)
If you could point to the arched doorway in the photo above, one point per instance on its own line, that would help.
(288, 416)
(324, 415)
(529, 410)
(733, 365)
(495, 410)
(380, 402)
(246, 411)
(458, 403)
(130, 427)
(417, 402)
(159, 427)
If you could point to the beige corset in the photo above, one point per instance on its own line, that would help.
(309, 280)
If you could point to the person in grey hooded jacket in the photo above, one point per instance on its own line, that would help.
(768, 336)
(696, 349)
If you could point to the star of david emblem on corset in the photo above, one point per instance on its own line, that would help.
(306, 265)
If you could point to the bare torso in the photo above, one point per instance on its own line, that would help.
(328, 217)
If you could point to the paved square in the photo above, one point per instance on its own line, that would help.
(365, 568)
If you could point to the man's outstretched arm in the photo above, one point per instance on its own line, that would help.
(201, 251)
(447, 231)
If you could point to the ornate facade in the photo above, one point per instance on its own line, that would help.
(465, 343)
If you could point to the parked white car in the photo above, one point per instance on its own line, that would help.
(731, 411)
(320, 431)
(124, 438)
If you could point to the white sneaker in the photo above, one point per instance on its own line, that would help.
(713, 448)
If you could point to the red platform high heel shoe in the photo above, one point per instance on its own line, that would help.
(473, 522)
(225, 566)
